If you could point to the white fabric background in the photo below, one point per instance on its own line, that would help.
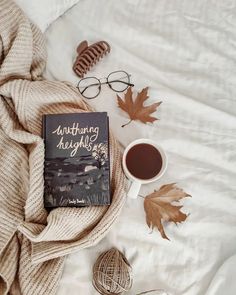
(186, 52)
(44, 12)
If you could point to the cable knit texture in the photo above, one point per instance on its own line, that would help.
(33, 243)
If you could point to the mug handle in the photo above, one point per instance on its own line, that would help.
(134, 190)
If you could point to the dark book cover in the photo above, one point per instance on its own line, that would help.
(77, 168)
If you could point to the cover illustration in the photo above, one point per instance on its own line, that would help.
(77, 165)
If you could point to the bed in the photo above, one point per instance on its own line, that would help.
(185, 52)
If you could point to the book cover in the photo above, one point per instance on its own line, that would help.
(77, 168)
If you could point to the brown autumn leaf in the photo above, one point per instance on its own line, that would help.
(135, 108)
(158, 207)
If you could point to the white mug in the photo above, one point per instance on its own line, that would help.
(137, 182)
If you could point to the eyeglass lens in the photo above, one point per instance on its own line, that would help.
(89, 87)
(118, 81)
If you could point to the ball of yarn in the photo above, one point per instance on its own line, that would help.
(112, 273)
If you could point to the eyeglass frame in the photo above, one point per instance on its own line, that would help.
(106, 82)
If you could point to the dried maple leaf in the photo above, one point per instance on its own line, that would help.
(158, 207)
(135, 108)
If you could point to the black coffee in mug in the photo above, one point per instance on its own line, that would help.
(143, 161)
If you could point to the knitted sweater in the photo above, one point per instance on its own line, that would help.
(33, 242)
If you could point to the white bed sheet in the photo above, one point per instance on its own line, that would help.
(186, 52)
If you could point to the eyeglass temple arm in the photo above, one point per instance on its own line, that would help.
(98, 84)
(126, 83)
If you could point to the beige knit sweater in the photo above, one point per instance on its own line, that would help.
(33, 243)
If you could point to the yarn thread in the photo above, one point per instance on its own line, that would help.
(112, 273)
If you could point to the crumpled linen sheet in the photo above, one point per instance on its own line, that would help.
(185, 51)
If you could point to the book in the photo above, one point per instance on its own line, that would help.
(77, 166)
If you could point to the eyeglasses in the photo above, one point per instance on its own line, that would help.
(118, 81)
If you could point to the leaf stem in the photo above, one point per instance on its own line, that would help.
(127, 123)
